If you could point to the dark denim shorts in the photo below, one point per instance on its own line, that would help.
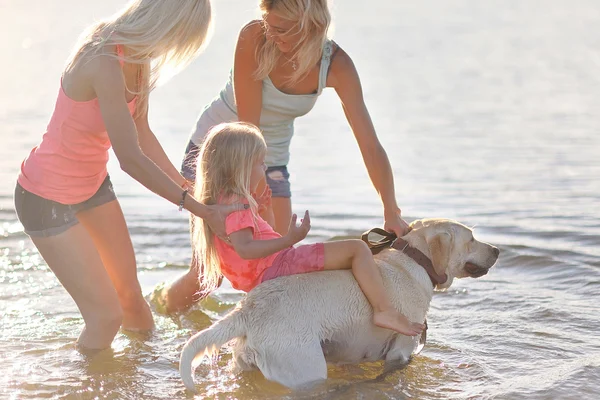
(278, 178)
(190, 160)
(42, 217)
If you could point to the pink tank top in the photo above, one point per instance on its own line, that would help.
(69, 165)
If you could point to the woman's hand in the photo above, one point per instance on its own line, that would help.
(298, 233)
(216, 214)
(264, 200)
(344, 78)
(393, 222)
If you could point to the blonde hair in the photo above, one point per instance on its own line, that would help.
(224, 166)
(313, 21)
(157, 34)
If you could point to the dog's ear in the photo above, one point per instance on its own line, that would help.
(439, 248)
(416, 224)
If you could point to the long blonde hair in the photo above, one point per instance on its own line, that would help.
(313, 21)
(158, 35)
(223, 173)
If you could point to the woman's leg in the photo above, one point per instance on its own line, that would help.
(73, 258)
(180, 294)
(282, 211)
(356, 255)
(281, 203)
(185, 290)
(107, 228)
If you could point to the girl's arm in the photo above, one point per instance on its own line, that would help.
(108, 83)
(247, 90)
(249, 249)
(344, 78)
(153, 149)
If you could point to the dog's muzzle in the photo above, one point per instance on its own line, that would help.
(475, 271)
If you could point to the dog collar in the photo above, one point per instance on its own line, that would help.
(391, 241)
(421, 259)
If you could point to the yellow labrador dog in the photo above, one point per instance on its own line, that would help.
(290, 327)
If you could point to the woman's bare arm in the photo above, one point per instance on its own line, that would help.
(153, 149)
(247, 89)
(109, 85)
(344, 78)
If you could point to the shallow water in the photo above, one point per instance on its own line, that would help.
(489, 115)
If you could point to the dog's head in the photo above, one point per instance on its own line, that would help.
(452, 248)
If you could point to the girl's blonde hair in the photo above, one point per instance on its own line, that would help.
(312, 22)
(223, 171)
(157, 34)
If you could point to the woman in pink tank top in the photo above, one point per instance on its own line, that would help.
(64, 197)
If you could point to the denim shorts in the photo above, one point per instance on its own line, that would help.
(42, 217)
(278, 178)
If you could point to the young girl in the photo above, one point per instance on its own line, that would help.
(282, 64)
(64, 197)
(230, 167)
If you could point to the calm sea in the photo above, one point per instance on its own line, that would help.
(489, 113)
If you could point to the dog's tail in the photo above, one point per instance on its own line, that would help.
(208, 341)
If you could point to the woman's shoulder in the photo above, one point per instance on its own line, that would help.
(341, 63)
(253, 30)
(250, 37)
(99, 60)
(339, 57)
(81, 76)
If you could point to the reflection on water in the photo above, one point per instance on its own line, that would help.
(488, 113)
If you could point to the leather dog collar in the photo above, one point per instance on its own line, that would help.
(421, 259)
(390, 240)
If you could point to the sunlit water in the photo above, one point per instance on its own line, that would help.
(489, 113)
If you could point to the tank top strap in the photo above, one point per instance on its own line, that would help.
(325, 61)
(121, 54)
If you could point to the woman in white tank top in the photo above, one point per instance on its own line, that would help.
(281, 65)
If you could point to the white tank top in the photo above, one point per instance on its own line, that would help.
(279, 110)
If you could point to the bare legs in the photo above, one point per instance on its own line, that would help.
(184, 291)
(107, 228)
(94, 262)
(354, 254)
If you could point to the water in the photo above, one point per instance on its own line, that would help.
(488, 111)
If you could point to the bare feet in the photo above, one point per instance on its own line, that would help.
(181, 294)
(392, 319)
(138, 318)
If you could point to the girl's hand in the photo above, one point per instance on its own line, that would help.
(297, 233)
(216, 217)
(264, 200)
